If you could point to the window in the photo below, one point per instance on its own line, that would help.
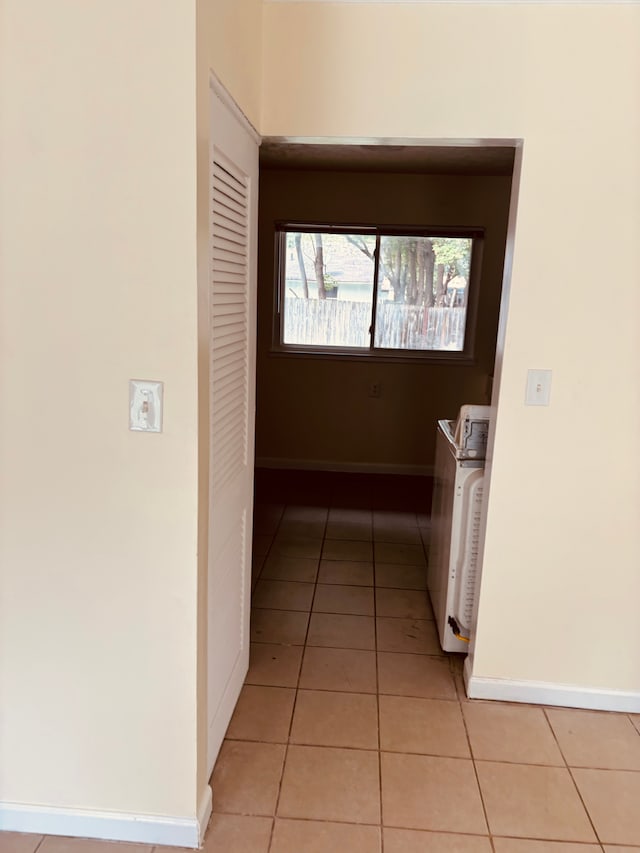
(372, 291)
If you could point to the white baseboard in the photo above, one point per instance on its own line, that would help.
(548, 693)
(110, 826)
(341, 467)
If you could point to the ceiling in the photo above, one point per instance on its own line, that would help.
(276, 153)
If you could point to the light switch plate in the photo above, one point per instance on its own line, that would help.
(538, 391)
(145, 405)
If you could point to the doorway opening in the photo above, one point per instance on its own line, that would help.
(343, 641)
(345, 443)
(354, 413)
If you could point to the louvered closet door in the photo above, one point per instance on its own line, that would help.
(232, 298)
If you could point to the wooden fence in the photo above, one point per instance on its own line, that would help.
(341, 323)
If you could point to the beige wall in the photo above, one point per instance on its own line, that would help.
(98, 530)
(232, 31)
(318, 411)
(98, 262)
(561, 581)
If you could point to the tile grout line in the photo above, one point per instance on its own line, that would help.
(268, 553)
(375, 635)
(297, 688)
(284, 758)
(464, 722)
(475, 772)
(459, 697)
(571, 776)
(351, 648)
(273, 539)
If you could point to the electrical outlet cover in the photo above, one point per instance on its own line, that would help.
(538, 392)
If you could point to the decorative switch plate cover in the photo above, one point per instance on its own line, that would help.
(145, 405)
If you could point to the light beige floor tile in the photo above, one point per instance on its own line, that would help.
(279, 626)
(417, 841)
(235, 834)
(323, 783)
(261, 544)
(346, 632)
(58, 844)
(262, 713)
(339, 598)
(257, 564)
(305, 513)
(532, 802)
(301, 569)
(297, 528)
(609, 848)
(521, 845)
(266, 518)
(347, 549)
(283, 595)
(165, 848)
(403, 603)
(324, 718)
(351, 670)
(246, 777)
(509, 733)
(296, 546)
(596, 739)
(346, 515)
(396, 552)
(612, 798)
(353, 572)
(311, 836)
(349, 530)
(429, 726)
(396, 576)
(391, 518)
(274, 665)
(18, 842)
(456, 662)
(416, 636)
(391, 533)
(415, 675)
(635, 719)
(423, 792)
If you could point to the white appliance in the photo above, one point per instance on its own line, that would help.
(455, 523)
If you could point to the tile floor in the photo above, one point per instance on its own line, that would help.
(353, 734)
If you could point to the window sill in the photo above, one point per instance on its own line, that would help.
(435, 359)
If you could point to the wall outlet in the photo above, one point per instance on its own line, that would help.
(375, 389)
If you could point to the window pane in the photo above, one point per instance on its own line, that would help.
(423, 285)
(327, 292)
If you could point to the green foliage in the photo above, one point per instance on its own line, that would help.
(454, 253)
(418, 268)
(330, 281)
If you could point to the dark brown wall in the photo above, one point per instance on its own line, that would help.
(317, 410)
